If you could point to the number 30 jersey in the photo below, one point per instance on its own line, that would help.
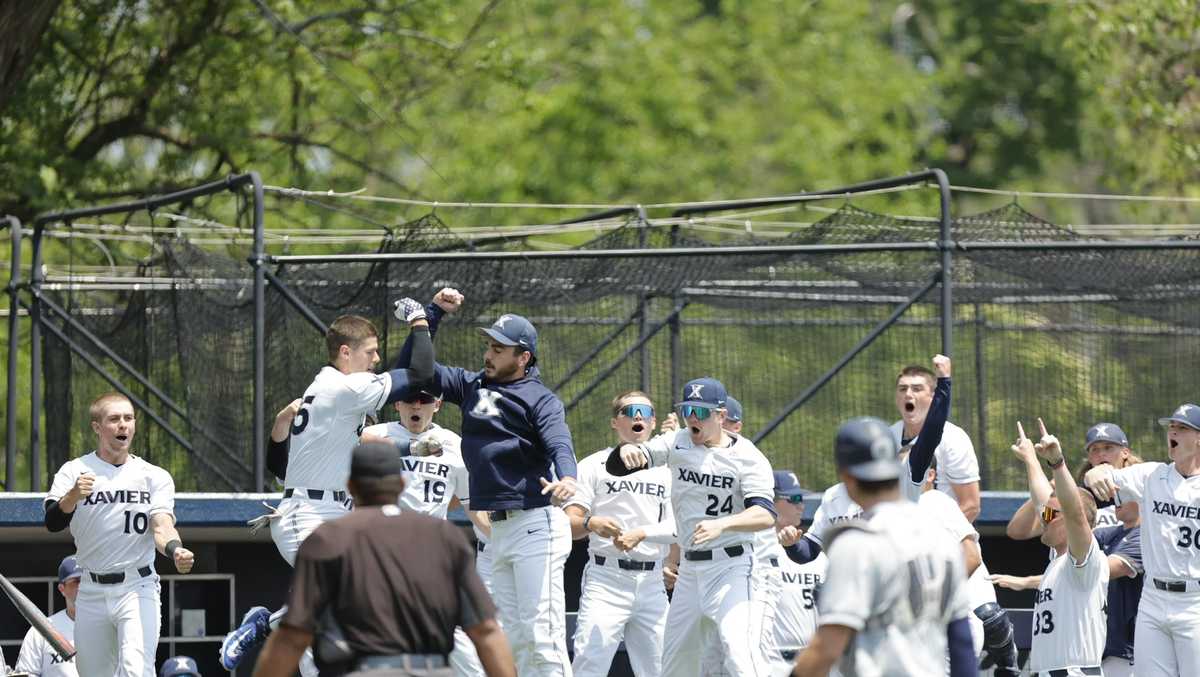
(1070, 618)
(1170, 507)
(112, 526)
(430, 482)
(707, 483)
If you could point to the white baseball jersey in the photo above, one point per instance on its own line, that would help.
(796, 615)
(1070, 613)
(1170, 508)
(39, 658)
(1106, 517)
(955, 457)
(708, 483)
(636, 500)
(943, 511)
(836, 507)
(328, 424)
(112, 526)
(431, 482)
(897, 581)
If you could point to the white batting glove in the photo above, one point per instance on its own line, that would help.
(409, 310)
(258, 523)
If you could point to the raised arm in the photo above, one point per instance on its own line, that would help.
(935, 422)
(1026, 522)
(1079, 531)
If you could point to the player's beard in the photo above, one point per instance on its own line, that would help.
(504, 375)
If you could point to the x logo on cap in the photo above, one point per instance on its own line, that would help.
(1183, 410)
(696, 391)
(499, 324)
(1102, 430)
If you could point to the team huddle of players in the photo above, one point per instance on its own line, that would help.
(888, 580)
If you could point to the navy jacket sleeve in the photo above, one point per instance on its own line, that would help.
(961, 648)
(804, 551)
(551, 421)
(931, 433)
(420, 371)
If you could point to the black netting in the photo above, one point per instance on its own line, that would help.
(1074, 336)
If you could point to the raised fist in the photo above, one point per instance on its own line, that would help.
(409, 310)
(448, 299)
(941, 366)
(632, 456)
(670, 424)
(84, 484)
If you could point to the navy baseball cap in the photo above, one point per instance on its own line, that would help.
(1106, 432)
(786, 484)
(512, 330)
(866, 449)
(179, 665)
(733, 409)
(69, 569)
(1187, 414)
(704, 392)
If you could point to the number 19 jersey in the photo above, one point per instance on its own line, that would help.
(327, 427)
(430, 482)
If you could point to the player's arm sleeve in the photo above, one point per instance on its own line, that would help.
(277, 456)
(474, 603)
(662, 531)
(931, 433)
(56, 519)
(33, 650)
(846, 595)
(63, 480)
(433, 315)
(1131, 481)
(758, 482)
(551, 422)
(162, 493)
(1130, 550)
(585, 486)
(803, 551)
(420, 371)
(961, 648)
(314, 583)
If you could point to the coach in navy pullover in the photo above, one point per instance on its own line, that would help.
(514, 430)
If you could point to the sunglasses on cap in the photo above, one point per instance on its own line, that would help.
(796, 499)
(420, 398)
(633, 410)
(1048, 514)
(701, 413)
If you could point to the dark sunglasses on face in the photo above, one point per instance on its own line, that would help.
(794, 500)
(701, 413)
(1048, 514)
(632, 410)
(423, 398)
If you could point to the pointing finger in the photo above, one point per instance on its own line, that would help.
(1042, 425)
(1020, 431)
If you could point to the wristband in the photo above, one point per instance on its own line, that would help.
(586, 520)
(171, 546)
(1056, 465)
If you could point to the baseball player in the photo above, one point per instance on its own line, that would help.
(629, 524)
(324, 430)
(796, 615)
(721, 492)
(1168, 620)
(435, 481)
(179, 666)
(894, 600)
(521, 464)
(120, 509)
(1105, 443)
(1069, 615)
(37, 657)
(958, 468)
(836, 504)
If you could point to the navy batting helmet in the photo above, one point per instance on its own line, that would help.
(866, 449)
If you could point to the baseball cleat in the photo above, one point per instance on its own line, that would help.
(252, 632)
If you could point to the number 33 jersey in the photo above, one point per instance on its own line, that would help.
(112, 526)
(430, 482)
(708, 483)
(1070, 613)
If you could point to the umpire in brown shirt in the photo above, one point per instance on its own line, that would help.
(378, 592)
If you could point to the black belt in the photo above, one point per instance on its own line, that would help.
(789, 655)
(1066, 672)
(497, 515)
(317, 494)
(705, 555)
(1176, 586)
(403, 661)
(628, 564)
(119, 577)
(480, 546)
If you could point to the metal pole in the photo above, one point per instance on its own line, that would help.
(14, 345)
(861, 346)
(35, 363)
(643, 306)
(866, 186)
(677, 350)
(946, 244)
(260, 335)
(981, 397)
(148, 204)
(290, 297)
(596, 350)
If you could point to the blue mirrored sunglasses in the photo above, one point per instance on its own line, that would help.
(701, 413)
(794, 500)
(632, 410)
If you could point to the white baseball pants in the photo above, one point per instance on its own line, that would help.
(117, 627)
(716, 598)
(299, 517)
(616, 604)
(531, 547)
(768, 585)
(1167, 633)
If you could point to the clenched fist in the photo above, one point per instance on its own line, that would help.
(449, 299)
(941, 366)
(632, 456)
(84, 485)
